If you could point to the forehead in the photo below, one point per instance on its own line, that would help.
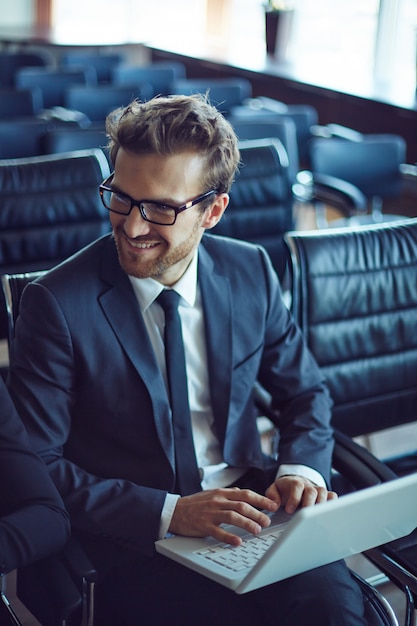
(166, 177)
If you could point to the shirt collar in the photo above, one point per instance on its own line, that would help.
(148, 289)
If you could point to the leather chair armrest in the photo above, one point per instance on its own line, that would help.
(78, 563)
(55, 588)
(409, 171)
(328, 131)
(340, 194)
(357, 464)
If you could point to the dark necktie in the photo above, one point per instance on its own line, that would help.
(187, 474)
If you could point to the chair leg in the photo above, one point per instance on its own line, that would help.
(88, 591)
(11, 615)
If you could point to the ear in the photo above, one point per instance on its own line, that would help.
(214, 213)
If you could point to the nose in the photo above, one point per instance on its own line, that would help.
(134, 224)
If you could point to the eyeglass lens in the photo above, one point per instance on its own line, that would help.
(119, 203)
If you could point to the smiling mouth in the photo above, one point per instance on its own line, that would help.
(143, 246)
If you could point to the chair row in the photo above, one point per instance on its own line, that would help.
(99, 65)
(40, 88)
(355, 299)
(49, 208)
(373, 163)
(42, 198)
(28, 71)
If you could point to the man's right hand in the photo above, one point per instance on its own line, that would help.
(201, 514)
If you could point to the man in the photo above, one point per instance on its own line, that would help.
(33, 521)
(89, 377)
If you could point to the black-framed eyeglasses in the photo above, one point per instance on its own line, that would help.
(151, 211)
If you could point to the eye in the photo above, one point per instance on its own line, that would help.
(120, 198)
(154, 207)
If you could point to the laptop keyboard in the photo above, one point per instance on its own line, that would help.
(246, 555)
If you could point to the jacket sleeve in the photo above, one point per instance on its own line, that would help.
(299, 393)
(45, 382)
(33, 520)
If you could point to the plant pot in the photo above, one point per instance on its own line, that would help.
(278, 31)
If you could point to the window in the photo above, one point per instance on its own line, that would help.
(350, 44)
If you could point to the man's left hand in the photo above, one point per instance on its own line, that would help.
(295, 491)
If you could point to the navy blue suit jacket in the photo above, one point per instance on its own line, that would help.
(87, 385)
(33, 521)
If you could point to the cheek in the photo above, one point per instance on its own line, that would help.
(115, 220)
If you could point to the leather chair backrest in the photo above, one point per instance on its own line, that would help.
(304, 117)
(103, 64)
(224, 93)
(49, 208)
(260, 208)
(11, 62)
(355, 298)
(97, 101)
(22, 137)
(19, 102)
(68, 139)
(54, 82)
(279, 128)
(372, 165)
(160, 76)
(13, 286)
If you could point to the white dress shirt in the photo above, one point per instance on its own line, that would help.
(214, 471)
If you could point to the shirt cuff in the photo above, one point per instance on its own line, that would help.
(302, 470)
(167, 513)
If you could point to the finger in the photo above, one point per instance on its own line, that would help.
(316, 495)
(294, 497)
(246, 516)
(220, 534)
(273, 494)
(251, 497)
(321, 495)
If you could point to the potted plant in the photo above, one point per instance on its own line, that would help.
(278, 19)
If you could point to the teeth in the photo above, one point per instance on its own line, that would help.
(142, 246)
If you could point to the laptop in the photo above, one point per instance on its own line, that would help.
(311, 537)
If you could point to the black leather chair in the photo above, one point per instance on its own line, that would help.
(19, 102)
(57, 590)
(96, 102)
(67, 138)
(8, 616)
(261, 199)
(159, 75)
(355, 298)
(283, 129)
(102, 63)
(53, 82)
(22, 137)
(373, 164)
(49, 208)
(12, 61)
(304, 117)
(224, 93)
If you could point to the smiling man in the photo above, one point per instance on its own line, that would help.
(90, 379)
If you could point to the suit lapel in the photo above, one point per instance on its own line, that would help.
(121, 309)
(217, 304)
(120, 306)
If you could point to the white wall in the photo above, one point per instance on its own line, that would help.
(17, 12)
